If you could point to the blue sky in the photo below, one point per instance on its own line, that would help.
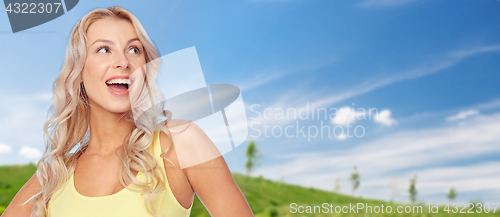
(430, 68)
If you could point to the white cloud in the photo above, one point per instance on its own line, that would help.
(407, 153)
(347, 115)
(342, 136)
(260, 79)
(384, 118)
(5, 148)
(383, 3)
(474, 51)
(21, 120)
(490, 105)
(29, 152)
(462, 115)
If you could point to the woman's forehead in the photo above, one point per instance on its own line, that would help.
(111, 29)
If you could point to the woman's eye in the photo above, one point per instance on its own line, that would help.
(102, 50)
(134, 50)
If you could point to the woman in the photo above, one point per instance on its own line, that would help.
(125, 163)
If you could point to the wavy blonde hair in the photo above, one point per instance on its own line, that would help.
(68, 125)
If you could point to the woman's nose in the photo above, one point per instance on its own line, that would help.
(121, 62)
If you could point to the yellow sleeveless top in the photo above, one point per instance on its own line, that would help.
(123, 203)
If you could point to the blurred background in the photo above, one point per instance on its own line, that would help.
(407, 89)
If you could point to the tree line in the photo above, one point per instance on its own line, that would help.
(354, 179)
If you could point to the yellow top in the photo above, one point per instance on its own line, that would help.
(123, 203)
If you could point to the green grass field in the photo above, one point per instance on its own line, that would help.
(267, 198)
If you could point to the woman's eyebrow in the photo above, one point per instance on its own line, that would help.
(111, 42)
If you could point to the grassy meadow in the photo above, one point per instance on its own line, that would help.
(267, 198)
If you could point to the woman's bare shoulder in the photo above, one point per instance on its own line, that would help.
(178, 125)
(174, 126)
(192, 145)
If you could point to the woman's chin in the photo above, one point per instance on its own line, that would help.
(121, 108)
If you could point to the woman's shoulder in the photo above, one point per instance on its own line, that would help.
(181, 129)
(175, 128)
(191, 144)
(178, 124)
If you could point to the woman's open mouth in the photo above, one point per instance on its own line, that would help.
(119, 86)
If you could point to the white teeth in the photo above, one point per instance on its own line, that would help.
(119, 81)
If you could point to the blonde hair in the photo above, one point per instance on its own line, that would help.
(68, 124)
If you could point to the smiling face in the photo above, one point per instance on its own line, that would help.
(114, 53)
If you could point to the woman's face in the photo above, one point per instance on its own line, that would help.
(114, 52)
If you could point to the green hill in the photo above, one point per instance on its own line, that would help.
(12, 178)
(267, 198)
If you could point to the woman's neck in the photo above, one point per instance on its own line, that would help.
(108, 131)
